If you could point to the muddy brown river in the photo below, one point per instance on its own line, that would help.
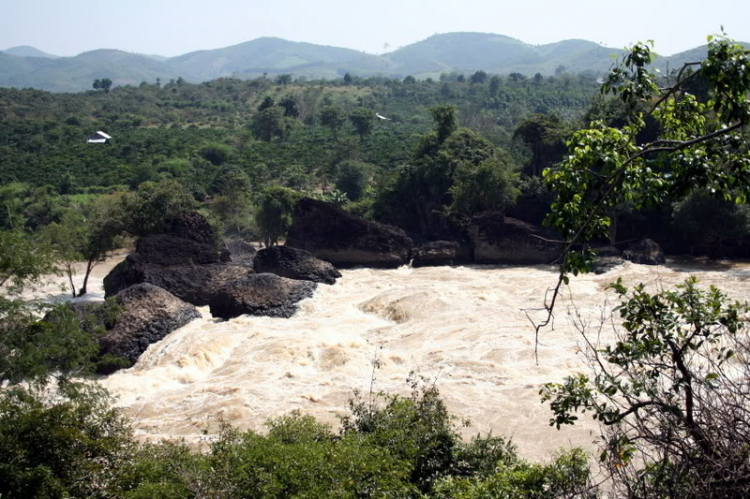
(463, 328)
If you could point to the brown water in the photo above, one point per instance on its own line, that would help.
(462, 326)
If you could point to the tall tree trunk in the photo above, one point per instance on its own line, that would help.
(89, 267)
(70, 280)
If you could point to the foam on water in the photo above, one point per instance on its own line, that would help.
(464, 326)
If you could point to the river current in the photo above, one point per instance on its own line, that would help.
(462, 328)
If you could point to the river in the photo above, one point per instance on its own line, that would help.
(463, 328)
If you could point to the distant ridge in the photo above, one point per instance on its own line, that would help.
(26, 66)
(28, 51)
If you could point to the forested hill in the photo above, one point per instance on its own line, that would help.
(23, 67)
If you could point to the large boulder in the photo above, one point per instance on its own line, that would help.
(294, 263)
(607, 258)
(186, 260)
(645, 251)
(193, 283)
(148, 314)
(260, 294)
(144, 315)
(500, 239)
(436, 253)
(240, 252)
(344, 239)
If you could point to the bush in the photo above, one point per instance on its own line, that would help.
(68, 448)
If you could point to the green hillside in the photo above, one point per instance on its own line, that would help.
(74, 74)
(27, 51)
(267, 55)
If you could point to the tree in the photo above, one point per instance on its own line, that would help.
(154, 207)
(268, 123)
(284, 79)
(445, 121)
(267, 103)
(709, 222)
(22, 260)
(290, 105)
(545, 135)
(85, 235)
(332, 117)
(352, 177)
(492, 185)
(102, 84)
(363, 121)
(274, 215)
(478, 77)
(347, 79)
(669, 394)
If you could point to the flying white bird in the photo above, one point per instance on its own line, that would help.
(382, 117)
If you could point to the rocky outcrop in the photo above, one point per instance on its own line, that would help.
(193, 283)
(186, 261)
(295, 263)
(499, 239)
(260, 294)
(344, 239)
(607, 259)
(646, 252)
(125, 327)
(240, 252)
(437, 253)
(148, 314)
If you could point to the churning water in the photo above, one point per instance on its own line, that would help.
(463, 328)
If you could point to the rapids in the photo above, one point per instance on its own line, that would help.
(463, 328)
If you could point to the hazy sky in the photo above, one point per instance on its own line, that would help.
(173, 27)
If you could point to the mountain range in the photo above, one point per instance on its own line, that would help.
(26, 66)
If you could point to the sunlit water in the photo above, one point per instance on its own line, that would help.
(463, 328)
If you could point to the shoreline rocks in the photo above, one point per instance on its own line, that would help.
(346, 240)
(294, 263)
(260, 294)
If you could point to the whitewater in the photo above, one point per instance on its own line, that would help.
(465, 329)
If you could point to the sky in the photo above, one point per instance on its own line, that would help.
(174, 27)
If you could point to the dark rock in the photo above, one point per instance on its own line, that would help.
(437, 253)
(499, 239)
(646, 252)
(607, 259)
(295, 263)
(186, 261)
(240, 252)
(193, 283)
(193, 226)
(344, 239)
(168, 250)
(260, 294)
(148, 314)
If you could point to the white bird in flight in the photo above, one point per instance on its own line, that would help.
(382, 117)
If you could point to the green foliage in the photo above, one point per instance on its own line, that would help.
(332, 117)
(489, 186)
(352, 177)
(269, 123)
(69, 447)
(445, 121)
(274, 215)
(699, 145)
(102, 84)
(708, 222)
(568, 475)
(363, 121)
(153, 207)
(665, 391)
(417, 430)
(22, 260)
